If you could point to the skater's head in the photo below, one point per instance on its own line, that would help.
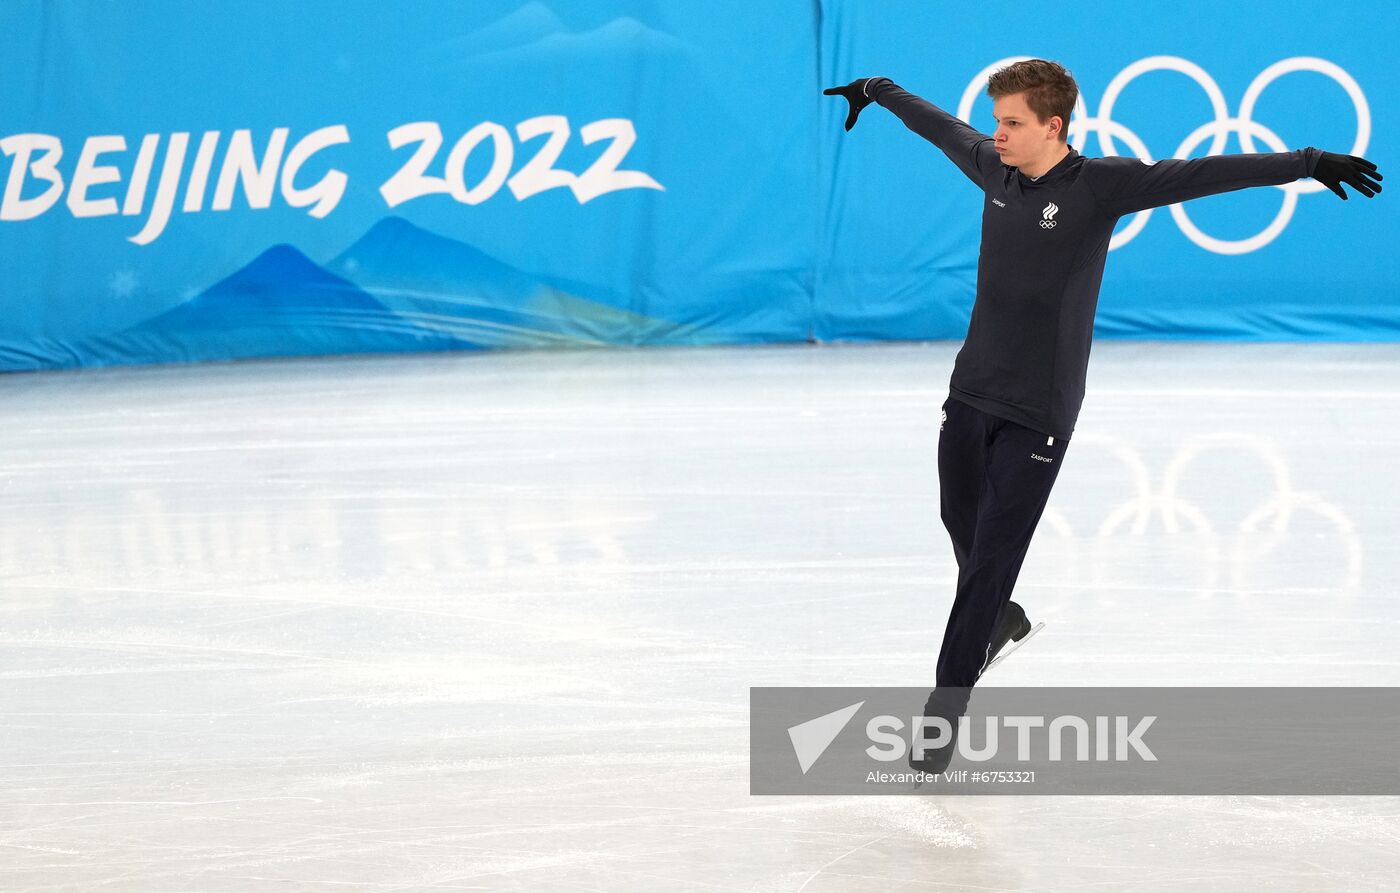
(1031, 101)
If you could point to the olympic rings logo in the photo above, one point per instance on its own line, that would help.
(1218, 130)
(1256, 539)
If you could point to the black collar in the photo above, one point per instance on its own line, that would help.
(1055, 172)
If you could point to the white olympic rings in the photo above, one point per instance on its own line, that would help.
(1261, 530)
(1218, 130)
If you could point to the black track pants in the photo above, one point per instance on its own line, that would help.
(994, 478)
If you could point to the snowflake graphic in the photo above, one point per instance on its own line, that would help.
(122, 284)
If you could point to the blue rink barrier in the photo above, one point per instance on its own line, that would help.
(198, 182)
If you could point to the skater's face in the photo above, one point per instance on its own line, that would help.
(1021, 137)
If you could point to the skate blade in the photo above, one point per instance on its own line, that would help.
(1012, 646)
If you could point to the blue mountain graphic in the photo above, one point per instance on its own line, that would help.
(455, 288)
(281, 304)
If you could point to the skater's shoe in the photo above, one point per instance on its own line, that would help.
(1012, 626)
(936, 759)
(950, 704)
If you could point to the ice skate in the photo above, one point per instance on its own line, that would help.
(1012, 627)
(950, 704)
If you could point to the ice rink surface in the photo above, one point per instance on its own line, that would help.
(488, 622)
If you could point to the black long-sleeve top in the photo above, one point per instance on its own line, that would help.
(1044, 244)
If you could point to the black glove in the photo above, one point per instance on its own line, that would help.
(856, 95)
(1333, 170)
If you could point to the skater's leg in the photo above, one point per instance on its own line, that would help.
(964, 438)
(962, 444)
(1021, 468)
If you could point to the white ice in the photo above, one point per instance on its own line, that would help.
(488, 622)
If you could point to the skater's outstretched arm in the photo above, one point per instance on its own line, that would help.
(1125, 185)
(972, 151)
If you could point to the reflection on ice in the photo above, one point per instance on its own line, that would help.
(489, 621)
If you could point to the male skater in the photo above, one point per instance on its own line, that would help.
(1018, 380)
